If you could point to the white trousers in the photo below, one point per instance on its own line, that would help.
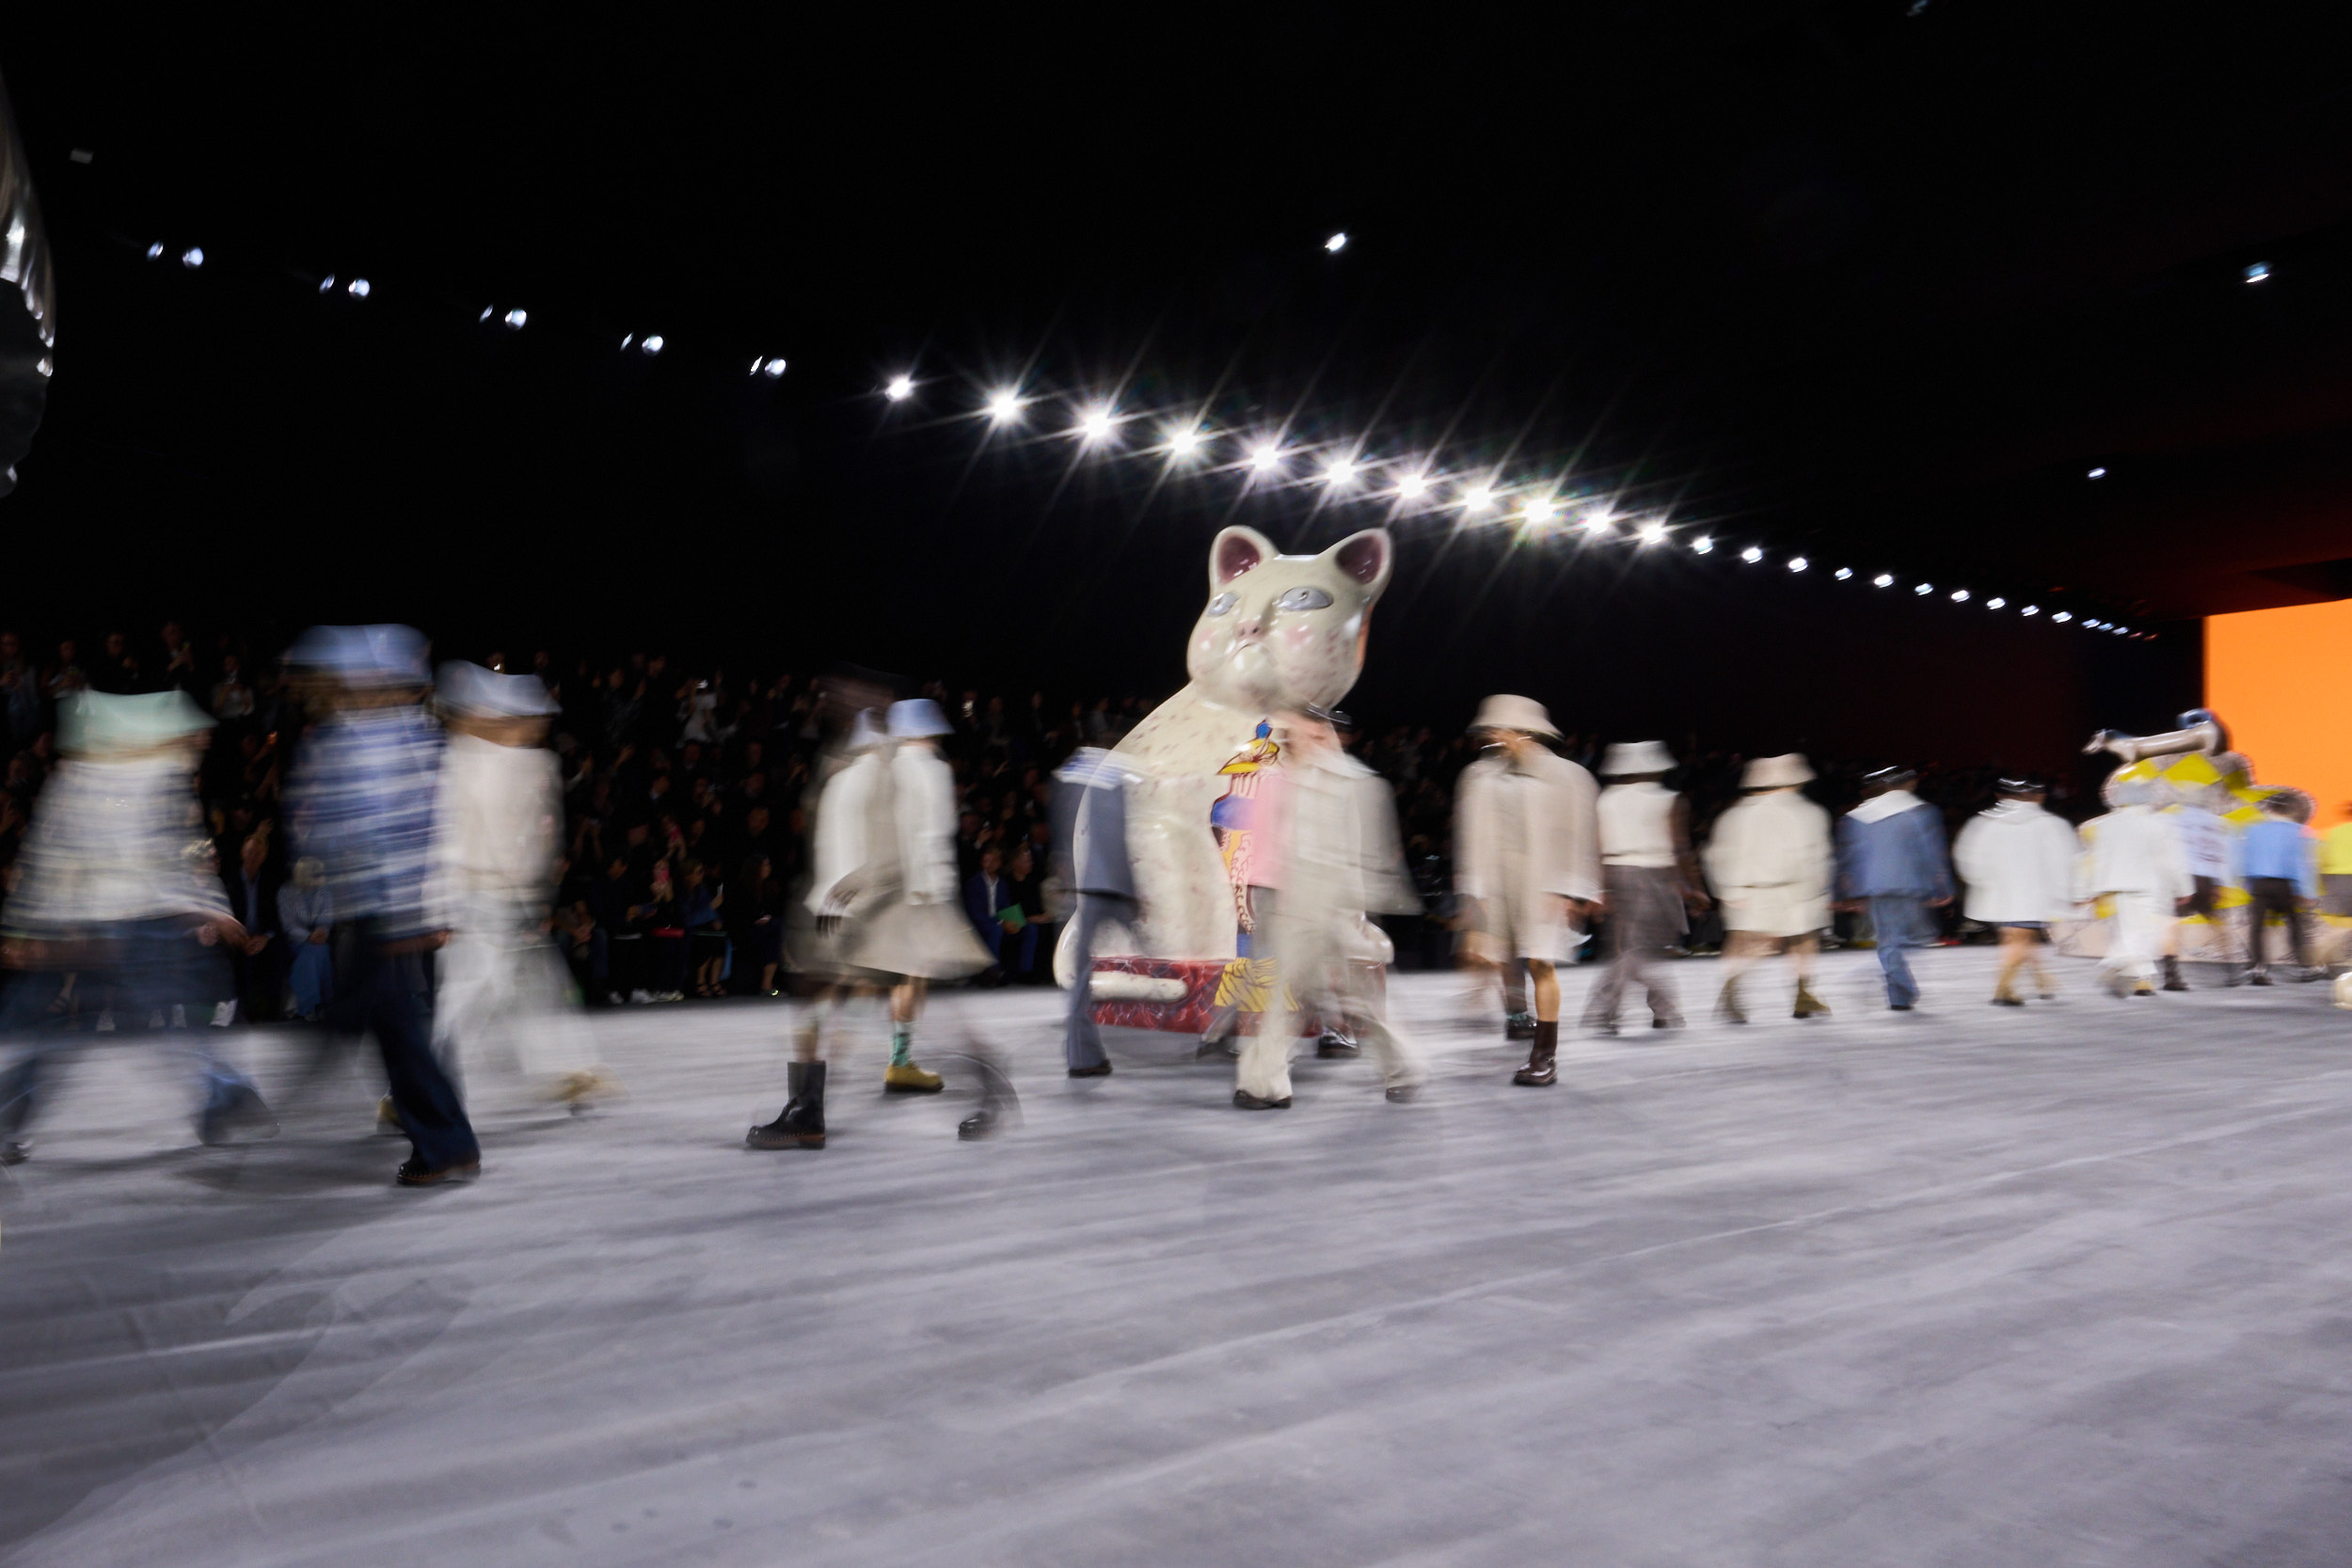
(2136, 934)
(1312, 970)
(502, 989)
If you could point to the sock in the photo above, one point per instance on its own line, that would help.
(902, 1044)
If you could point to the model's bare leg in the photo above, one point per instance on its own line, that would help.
(2016, 948)
(906, 1005)
(1741, 949)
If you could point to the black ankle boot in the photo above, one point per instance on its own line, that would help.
(803, 1123)
(1539, 1072)
(2172, 980)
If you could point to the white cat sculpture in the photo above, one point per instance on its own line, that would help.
(1279, 634)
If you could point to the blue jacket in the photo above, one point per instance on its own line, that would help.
(2275, 847)
(1897, 855)
(1090, 848)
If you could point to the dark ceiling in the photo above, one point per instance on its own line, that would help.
(1881, 282)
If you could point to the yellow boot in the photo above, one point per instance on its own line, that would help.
(906, 1078)
(1808, 1004)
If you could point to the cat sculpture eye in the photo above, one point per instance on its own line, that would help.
(1223, 602)
(1304, 597)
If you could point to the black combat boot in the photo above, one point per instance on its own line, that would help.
(803, 1123)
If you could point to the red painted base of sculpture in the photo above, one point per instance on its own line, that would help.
(1204, 981)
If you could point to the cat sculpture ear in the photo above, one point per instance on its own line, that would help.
(1367, 557)
(1235, 551)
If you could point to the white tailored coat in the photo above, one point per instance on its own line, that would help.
(2018, 862)
(1336, 820)
(501, 986)
(1526, 833)
(886, 864)
(1771, 860)
(2133, 850)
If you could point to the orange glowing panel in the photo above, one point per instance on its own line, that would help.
(2281, 680)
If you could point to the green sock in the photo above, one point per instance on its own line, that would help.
(902, 1044)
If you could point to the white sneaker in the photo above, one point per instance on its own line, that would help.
(224, 1014)
(106, 1021)
(641, 995)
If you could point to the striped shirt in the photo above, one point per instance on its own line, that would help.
(112, 840)
(363, 802)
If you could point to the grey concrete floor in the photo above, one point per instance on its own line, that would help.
(1969, 1286)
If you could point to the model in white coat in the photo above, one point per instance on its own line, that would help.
(1527, 864)
(1332, 830)
(497, 828)
(1772, 860)
(2018, 862)
(2135, 863)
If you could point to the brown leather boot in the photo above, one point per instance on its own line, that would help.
(1539, 1072)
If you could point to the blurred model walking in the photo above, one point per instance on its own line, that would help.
(116, 884)
(1891, 859)
(2018, 862)
(363, 802)
(1649, 881)
(498, 826)
(1527, 846)
(1772, 862)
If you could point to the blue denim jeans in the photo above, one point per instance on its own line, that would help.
(1900, 921)
(141, 967)
(390, 996)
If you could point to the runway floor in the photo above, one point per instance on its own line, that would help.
(2064, 1285)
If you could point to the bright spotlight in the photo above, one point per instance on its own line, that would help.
(1652, 532)
(1095, 425)
(358, 288)
(1995, 604)
(1703, 544)
(1004, 406)
(155, 251)
(327, 286)
(900, 389)
(652, 343)
(1338, 470)
(1265, 457)
(1335, 244)
(1413, 486)
(1478, 498)
(193, 257)
(1602, 521)
(1184, 441)
(2123, 631)
(1752, 555)
(1798, 564)
(2062, 617)
(772, 369)
(2096, 473)
(1925, 588)
(1539, 512)
(1844, 572)
(1960, 595)
(2030, 609)
(488, 311)
(516, 319)
(1884, 580)
(2258, 272)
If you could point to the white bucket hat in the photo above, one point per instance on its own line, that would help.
(479, 693)
(100, 724)
(1775, 772)
(1523, 714)
(1637, 756)
(917, 718)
